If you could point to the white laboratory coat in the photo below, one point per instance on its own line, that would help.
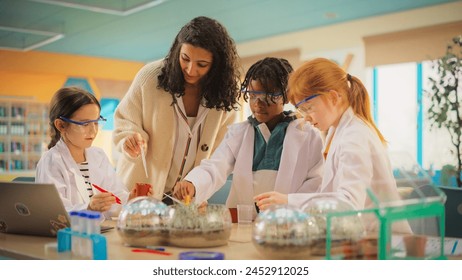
(57, 166)
(356, 160)
(299, 170)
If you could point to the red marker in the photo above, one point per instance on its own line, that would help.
(118, 201)
(151, 251)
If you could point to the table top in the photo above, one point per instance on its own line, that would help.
(17, 246)
(239, 247)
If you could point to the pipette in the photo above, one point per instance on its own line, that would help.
(143, 158)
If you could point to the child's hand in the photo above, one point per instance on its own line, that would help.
(183, 189)
(202, 208)
(101, 202)
(133, 143)
(265, 200)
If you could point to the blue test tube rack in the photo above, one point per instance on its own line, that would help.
(99, 242)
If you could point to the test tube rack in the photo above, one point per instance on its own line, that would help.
(98, 241)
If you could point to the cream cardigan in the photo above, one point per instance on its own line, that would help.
(147, 110)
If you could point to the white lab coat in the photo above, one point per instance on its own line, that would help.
(356, 160)
(299, 170)
(57, 166)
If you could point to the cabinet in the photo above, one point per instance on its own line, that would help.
(23, 134)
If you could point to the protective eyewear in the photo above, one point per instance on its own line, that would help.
(85, 126)
(263, 96)
(303, 108)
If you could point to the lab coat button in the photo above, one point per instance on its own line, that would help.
(205, 148)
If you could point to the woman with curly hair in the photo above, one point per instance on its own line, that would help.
(177, 109)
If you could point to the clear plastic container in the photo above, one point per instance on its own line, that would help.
(284, 232)
(193, 227)
(143, 222)
(338, 222)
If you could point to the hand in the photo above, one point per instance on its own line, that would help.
(133, 144)
(202, 208)
(101, 202)
(183, 189)
(265, 200)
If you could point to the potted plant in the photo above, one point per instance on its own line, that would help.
(445, 110)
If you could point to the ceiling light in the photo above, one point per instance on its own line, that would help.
(11, 42)
(121, 10)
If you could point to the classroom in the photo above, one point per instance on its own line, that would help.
(109, 51)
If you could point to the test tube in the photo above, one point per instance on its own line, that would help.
(74, 216)
(93, 227)
(84, 243)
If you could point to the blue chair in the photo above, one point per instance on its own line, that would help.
(24, 179)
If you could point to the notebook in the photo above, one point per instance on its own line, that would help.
(31, 208)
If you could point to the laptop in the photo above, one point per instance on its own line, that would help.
(31, 208)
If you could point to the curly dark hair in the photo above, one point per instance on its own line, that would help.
(220, 87)
(273, 75)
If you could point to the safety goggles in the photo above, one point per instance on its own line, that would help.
(304, 108)
(85, 126)
(263, 96)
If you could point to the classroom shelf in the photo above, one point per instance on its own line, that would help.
(23, 134)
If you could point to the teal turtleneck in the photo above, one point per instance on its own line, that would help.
(267, 156)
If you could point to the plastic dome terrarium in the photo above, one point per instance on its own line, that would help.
(143, 222)
(198, 227)
(284, 232)
(345, 228)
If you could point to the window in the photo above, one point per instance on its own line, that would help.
(397, 89)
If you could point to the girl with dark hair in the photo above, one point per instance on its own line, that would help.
(71, 163)
(271, 151)
(177, 109)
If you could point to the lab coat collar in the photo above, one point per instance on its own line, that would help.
(288, 117)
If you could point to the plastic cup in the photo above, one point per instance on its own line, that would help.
(142, 189)
(245, 213)
(415, 245)
(233, 212)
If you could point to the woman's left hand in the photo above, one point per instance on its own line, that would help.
(265, 200)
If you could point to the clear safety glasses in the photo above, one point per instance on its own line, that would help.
(263, 96)
(85, 126)
(304, 108)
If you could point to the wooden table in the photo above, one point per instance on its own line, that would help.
(239, 247)
(15, 246)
